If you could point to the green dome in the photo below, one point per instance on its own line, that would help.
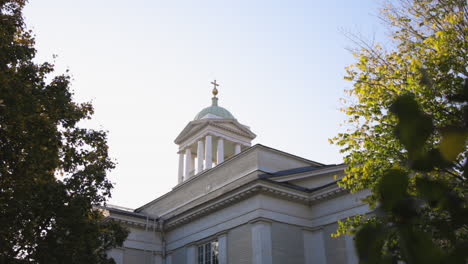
(216, 110)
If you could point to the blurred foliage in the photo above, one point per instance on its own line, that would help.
(52, 172)
(427, 221)
(406, 136)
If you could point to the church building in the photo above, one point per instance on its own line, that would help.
(240, 203)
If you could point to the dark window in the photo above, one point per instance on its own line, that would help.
(208, 253)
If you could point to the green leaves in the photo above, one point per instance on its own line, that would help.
(407, 133)
(392, 189)
(410, 215)
(453, 142)
(417, 246)
(370, 241)
(414, 126)
(52, 172)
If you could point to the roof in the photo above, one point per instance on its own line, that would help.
(214, 110)
(300, 188)
(125, 211)
(295, 171)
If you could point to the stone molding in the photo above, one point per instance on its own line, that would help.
(149, 225)
(215, 132)
(257, 187)
(307, 174)
(261, 219)
(196, 126)
(312, 229)
(154, 252)
(326, 193)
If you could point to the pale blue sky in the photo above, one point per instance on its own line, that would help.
(147, 67)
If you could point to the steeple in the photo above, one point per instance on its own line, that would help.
(215, 91)
(213, 136)
(214, 111)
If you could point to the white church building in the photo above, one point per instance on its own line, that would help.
(237, 203)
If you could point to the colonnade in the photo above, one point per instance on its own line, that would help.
(204, 157)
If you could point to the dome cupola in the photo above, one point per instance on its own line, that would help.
(214, 111)
(213, 136)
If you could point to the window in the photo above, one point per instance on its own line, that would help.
(208, 253)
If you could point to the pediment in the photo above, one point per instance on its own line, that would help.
(228, 125)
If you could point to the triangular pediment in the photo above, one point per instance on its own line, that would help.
(228, 125)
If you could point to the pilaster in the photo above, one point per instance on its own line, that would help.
(351, 254)
(168, 259)
(222, 249)
(261, 242)
(191, 254)
(314, 247)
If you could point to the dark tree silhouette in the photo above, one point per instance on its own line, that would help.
(52, 172)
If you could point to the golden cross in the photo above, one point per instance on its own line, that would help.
(215, 91)
(214, 84)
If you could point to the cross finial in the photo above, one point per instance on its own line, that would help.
(215, 91)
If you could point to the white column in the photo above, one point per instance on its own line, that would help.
(222, 249)
(191, 255)
(237, 149)
(181, 167)
(200, 156)
(193, 165)
(220, 152)
(208, 153)
(261, 242)
(314, 247)
(188, 163)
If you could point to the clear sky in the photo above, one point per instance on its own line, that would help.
(147, 66)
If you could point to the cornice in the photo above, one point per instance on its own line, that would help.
(241, 131)
(183, 218)
(131, 218)
(150, 225)
(258, 187)
(327, 193)
(307, 174)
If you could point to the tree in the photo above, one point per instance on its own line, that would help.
(422, 222)
(406, 140)
(52, 171)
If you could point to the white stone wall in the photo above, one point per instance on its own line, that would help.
(288, 244)
(335, 247)
(239, 245)
(314, 246)
(179, 256)
(143, 245)
(267, 227)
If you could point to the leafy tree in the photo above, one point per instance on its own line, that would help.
(421, 218)
(407, 133)
(52, 171)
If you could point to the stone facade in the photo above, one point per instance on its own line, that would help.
(240, 204)
(262, 206)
